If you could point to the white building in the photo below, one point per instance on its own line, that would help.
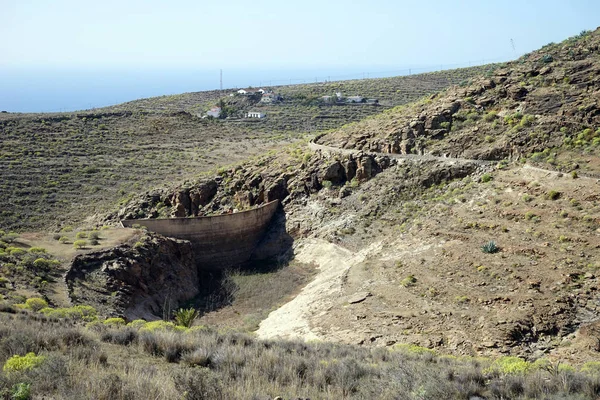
(354, 99)
(214, 112)
(270, 98)
(255, 114)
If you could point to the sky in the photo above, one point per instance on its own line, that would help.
(160, 34)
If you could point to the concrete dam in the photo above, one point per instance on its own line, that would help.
(218, 241)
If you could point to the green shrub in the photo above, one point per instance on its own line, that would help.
(16, 252)
(45, 264)
(9, 237)
(80, 244)
(22, 363)
(185, 316)
(553, 195)
(80, 312)
(160, 325)
(509, 365)
(36, 303)
(137, 323)
(21, 391)
(408, 281)
(486, 178)
(490, 247)
(327, 184)
(114, 321)
(37, 250)
(81, 235)
(94, 235)
(63, 239)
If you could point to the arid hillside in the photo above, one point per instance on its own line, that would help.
(490, 256)
(59, 169)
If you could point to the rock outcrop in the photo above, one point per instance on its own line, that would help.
(147, 279)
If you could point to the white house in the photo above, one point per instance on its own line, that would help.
(269, 98)
(255, 114)
(250, 92)
(214, 112)
(354, 99)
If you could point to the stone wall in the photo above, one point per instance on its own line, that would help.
(219, 241)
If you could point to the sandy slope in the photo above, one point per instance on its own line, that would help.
(292, 320)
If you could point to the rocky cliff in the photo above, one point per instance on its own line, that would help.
(145, 279)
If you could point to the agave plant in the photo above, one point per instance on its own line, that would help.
(490, 247)
(185, 316)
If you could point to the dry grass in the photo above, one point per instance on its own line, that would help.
(205, 364)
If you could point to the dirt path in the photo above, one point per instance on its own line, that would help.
(292, 320)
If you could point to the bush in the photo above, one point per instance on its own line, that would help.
(408, 281)
(81, 235)
(137, 323)
(509, 365)
(490, 247)
(21, 391)
(185, 317)
(486, 178)
(22, 363)
(553, 195)
(79, 244)
(94, 235)
(114, 321)
(81, 312)
(36, 303)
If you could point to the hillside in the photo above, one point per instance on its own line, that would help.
(444, 248)
(59, 169)
(409, 230)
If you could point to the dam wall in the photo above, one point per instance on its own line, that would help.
(218, 241)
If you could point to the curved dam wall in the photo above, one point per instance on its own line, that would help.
(218, 241)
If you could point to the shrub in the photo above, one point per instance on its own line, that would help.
(509, 365)
(45, 264)
(37, 250)
(81, 235)
(79, 244)
(490, 247)
(185, 316)
(63, 239)
(159, 325)
(114, 321)
(22, 363)
(36, 303)
(408, 281)
(81, 312)
(327, 184)
(553, 195)
(9, 237)
(94, 235)
(21, 391)
(137, 323)
(16, 252)
(486, 178)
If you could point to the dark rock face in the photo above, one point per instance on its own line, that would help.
(334, 173)
(277, 190)
(146, 280)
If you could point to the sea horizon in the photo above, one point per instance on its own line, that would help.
(43, 90)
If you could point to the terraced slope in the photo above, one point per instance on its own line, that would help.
(61, 168)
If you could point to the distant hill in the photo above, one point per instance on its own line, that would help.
(60, 168)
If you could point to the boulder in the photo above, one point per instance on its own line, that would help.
(277, 190)
(334, 173)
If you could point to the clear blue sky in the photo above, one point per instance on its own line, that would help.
(276, 34)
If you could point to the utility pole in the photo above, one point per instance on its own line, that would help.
(221, 80)
(512, 44)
